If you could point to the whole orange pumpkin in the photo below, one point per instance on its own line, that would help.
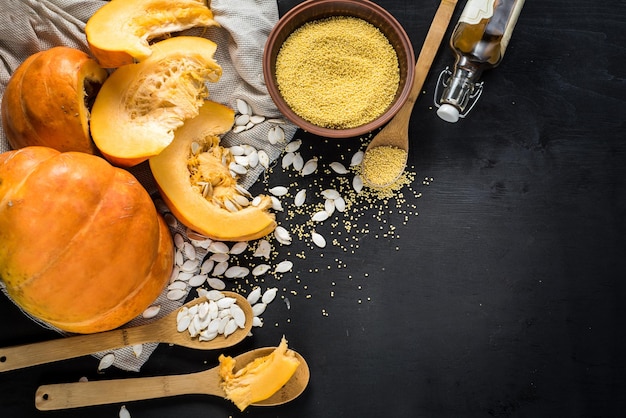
(82, 246)
(47, 100)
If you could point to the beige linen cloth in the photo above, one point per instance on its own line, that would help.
(28, 26)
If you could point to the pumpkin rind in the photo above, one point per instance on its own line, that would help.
(119, 32)
(81, 244)
(170, 170)
(45, 101)
(140, 105)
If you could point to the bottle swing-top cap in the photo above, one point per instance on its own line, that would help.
(459, 95)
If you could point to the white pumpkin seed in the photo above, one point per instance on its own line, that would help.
(231, 326)
(220, 268)
(237, 168)
(239, 247)
(331, 194)
(276, 204)
(258, 308)
(264, 159)
(263, 249)
(282, 235)
(207, 336)
(124, 412)
(240, 200)
(276, 135)
(279, 191)
(260, 270)
(225, 302)
(213, 295)
(177, 284)
(243, 107)
(320, 216)
(218, 247)
(249, 125)
(257, 321)
(329, 206)
(256, 201)
(318, 239)
(339, 168)
(219, 257)
(340, 204)
(238, 129)
(309, 167)
(183, 311)
(183, 322)
(283, 266)
(216, 283)
(137, 350)
(207, 266)
(242, 160)
(236, 272)
(179, 258)
(183, 276)
(176, 294)
(238, 315)
(276, 120)
(151, 311)
(190, 266)
(236, 150)
(256, 119)
(357, 158)
(357, 183)
(254, 295)
(298, 161)
(300, 198)
(253, 159)
(293, 145)
(106, 361)
(242, 119)
(197, 280)
(189, 251)
(269, 295)
(287, 160)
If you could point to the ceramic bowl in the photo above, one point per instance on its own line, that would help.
(312, 10)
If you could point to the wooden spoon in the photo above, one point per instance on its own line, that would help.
(207, 382)
(160, 331)
(396, 132)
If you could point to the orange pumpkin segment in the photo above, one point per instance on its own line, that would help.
(120, 31)
(195, 182)
(140, 105)
(46, 101)
(81, 244)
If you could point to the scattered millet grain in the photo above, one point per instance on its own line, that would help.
(383, 165)
(339, 72)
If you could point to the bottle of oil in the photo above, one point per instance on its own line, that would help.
(479, 42)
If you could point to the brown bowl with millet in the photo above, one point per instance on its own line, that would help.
(338, 68)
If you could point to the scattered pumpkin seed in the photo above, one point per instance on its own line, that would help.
(106, 361)
(151, 311)
(339, 168)
(269, 295)
(318, 239)
(300, 198)
(283, 266)
(124, 412)
(279, 191)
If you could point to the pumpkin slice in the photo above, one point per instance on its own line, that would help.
(140, 105)
(259, 379)
(120, 31)
(194, 180)
(47, 100)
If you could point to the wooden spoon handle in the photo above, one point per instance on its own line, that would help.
(21, 356)
(80, 394)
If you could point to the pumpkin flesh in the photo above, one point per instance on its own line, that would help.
(120, 31)
(180, 174)
(140, 105)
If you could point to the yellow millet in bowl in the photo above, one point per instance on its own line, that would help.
(339, 72)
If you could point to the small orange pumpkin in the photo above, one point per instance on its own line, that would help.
(46, 101)
(82, 246)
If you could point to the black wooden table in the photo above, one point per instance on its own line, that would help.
(494, 287)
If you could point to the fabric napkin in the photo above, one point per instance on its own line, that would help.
(29, 26)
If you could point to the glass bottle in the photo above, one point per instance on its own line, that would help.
(479, 42)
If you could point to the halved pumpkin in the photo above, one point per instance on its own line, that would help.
(140, 105)
(120, 31)
(47, 100)
(193, 177)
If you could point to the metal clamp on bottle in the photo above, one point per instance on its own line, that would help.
(459, 95)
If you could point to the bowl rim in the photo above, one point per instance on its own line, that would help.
(307, 126)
